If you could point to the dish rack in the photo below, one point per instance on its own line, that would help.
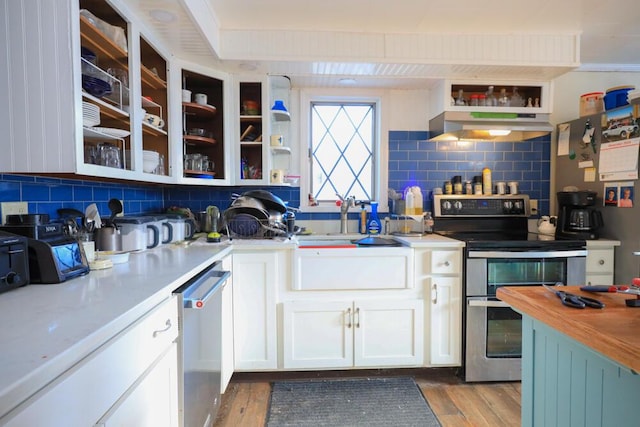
(246, 226)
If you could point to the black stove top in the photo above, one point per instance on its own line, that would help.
(512, 240)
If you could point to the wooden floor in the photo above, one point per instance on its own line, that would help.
(455, 403)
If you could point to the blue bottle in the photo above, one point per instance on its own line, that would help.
(374, 225)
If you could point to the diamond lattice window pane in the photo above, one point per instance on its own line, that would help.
(342, 150)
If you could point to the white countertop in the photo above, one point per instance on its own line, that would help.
(430, 240)
(46, 329)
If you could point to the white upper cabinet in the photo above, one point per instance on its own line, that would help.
(77, 88)
(491, 97)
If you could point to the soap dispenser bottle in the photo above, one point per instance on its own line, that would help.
(374, 225)
(363, 219)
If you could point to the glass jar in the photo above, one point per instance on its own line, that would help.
(468, 187)
(448, 188)
(428, 222)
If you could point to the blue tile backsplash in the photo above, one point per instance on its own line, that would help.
(412, 161)
(415, 161)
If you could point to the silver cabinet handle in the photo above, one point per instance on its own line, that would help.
(349, 317)
(475, 303)
(434, 293)
(358, 317)
(601, 262)
(167, 327)
(447, 264)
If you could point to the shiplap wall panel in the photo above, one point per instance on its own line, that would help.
(38, 115)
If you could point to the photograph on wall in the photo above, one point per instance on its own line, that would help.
(626, 196)
(619, 124)
(610, 196)
(619, 194)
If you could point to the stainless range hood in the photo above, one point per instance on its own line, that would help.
(488, 126)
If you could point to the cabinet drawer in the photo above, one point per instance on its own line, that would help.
(446, 262)
(600, 260)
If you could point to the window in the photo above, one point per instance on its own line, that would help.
(346, 147)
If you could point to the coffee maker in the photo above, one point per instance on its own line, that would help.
(577, 218)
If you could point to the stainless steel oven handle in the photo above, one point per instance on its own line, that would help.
(199, 303)
(481, 303)
(521, 254)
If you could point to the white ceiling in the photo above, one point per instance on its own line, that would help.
(609, 33)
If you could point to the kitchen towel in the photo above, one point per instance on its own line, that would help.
(355, 402)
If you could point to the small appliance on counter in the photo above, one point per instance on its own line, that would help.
(53, 256)
(577, 218)
(14, 261)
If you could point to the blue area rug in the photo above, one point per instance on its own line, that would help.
(356, 402)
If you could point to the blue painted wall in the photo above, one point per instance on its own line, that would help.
(412, 161)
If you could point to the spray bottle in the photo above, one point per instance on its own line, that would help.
(374, 226)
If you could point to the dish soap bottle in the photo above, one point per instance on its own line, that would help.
(374, 226)
(487, 186)
(363, 219)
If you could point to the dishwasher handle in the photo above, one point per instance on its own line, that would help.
(199, 303)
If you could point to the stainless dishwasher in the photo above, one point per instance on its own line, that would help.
(200, 346)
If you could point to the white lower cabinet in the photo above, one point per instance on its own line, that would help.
(600, 262)
(256, 276)
(132, 378)
(445, 315)
(151, 401)
(439, 274)
(227, 363)
(345, 334)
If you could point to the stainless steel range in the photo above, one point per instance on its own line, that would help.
(501, 252)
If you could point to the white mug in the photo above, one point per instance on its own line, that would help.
(154, 120)
(186, 95)
(200, 98)
(277, 176)
(277, 140)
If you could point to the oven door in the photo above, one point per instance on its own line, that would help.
(493, 341)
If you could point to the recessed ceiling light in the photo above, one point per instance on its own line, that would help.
(347, 81)
(162, 15)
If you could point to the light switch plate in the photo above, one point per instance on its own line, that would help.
(13, 208)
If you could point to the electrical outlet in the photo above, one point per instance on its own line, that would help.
(13, 208)
(533, 206)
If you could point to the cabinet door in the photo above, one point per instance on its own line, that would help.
(152, 400)
(446, 321)
(318, 334)
(255, 280)
(388, 332)
(253, 133)
(600, 266)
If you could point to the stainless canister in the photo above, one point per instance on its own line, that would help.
(501, 188)
(513, 187)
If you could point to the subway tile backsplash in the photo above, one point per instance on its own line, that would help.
(412, 161)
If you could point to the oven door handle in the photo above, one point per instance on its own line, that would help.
(524, 254)
(487, 303)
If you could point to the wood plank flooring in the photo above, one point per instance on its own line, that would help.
(455, 403)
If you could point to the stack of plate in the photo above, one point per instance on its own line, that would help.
(90, 114)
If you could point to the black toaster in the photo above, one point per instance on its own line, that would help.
(14, 261)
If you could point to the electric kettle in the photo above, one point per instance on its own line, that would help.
(547, 225)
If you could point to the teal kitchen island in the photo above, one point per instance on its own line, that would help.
(580, 367)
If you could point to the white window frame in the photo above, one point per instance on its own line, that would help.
(307, 96)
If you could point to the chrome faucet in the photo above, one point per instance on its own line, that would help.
(347, 202)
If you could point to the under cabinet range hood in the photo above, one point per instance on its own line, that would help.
(488, 126)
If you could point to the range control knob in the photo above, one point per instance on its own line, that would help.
(446, 205)
(457, 205)
(507, 206)
(518, 206)
(12, 278)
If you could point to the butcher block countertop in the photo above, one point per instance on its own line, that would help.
(613, 331)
